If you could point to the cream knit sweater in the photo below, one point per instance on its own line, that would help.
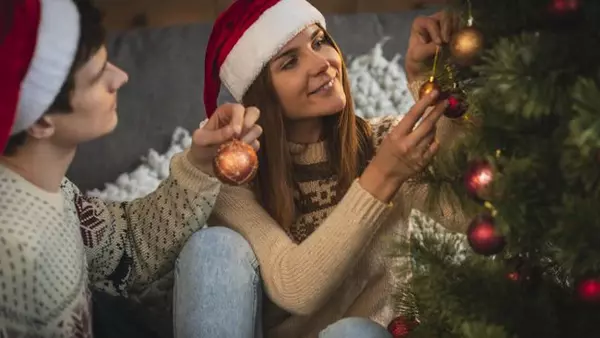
(53, 245)
(335, 262)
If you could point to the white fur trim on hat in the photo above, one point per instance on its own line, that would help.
(263, 40)
(58, 37)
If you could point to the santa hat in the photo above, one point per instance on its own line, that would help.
(37, 50)
(245, 37)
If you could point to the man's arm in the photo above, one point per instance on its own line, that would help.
(130, 244)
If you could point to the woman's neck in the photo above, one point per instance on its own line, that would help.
(305, 131)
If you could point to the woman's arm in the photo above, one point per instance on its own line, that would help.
(300, 277)
(449, 212)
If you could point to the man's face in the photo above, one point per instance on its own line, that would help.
(94, 103)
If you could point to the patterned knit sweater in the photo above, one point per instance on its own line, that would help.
(336, 261)
(54, 245)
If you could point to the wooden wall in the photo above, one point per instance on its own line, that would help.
(124, 14)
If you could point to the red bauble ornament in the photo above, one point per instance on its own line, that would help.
(564, 14)
(236, 163)
(478, 179)
(513, 276)
(588, 290)
(483, 236)
(456, 107)
(561, 7)
(521, 270)
(401, 326)
(428, 87)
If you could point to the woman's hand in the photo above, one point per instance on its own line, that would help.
(229, 121)
(405, 151)
(426, 35)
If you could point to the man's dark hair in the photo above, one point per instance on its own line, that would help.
(91, 39)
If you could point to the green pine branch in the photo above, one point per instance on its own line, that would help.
(534, 97)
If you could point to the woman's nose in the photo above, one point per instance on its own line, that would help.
(318, 63)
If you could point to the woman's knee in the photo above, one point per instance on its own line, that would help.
(218, 245)
(355, 327)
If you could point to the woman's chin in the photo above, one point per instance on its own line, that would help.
(331, 105)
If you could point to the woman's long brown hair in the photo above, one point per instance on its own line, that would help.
(349, 146)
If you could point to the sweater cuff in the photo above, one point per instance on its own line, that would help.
(188, 176)
(364, 205)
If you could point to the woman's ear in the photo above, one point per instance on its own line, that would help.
(42, 128)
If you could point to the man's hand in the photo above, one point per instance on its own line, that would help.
(228, 122)
(427, 33)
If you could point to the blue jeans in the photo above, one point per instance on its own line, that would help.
(355, 327)
(218, 292)
(217, 287)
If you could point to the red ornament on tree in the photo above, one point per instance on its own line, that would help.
(236, 163)
(564, 6)
(401, 326)
(589, 290)
(456, 107)
(564, 13)
(483, 236)
(478, 179)
(513, 276)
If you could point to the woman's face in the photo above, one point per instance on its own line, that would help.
(307, 76)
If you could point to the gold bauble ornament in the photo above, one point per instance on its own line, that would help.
(236, 163)
(466, 45)
(428, 87)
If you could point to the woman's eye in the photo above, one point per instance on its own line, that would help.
(290, 63)
(319, 42)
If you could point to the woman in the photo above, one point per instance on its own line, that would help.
(331, 187)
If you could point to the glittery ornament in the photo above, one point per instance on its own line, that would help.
(478, 179)
(236, 163)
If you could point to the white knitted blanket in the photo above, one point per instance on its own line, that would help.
(378, 86)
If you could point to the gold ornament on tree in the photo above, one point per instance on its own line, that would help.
(457, 107)
(431, 84)
(466, 45)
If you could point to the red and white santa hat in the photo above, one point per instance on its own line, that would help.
(36, 54)
(245, 37)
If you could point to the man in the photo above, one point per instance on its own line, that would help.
(58, 90)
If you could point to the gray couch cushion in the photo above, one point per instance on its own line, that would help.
(166, 72)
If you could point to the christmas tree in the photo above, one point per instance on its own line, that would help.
(523, 81)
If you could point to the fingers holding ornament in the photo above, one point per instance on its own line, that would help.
(226, 144)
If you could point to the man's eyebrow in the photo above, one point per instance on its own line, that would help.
(97, 76)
